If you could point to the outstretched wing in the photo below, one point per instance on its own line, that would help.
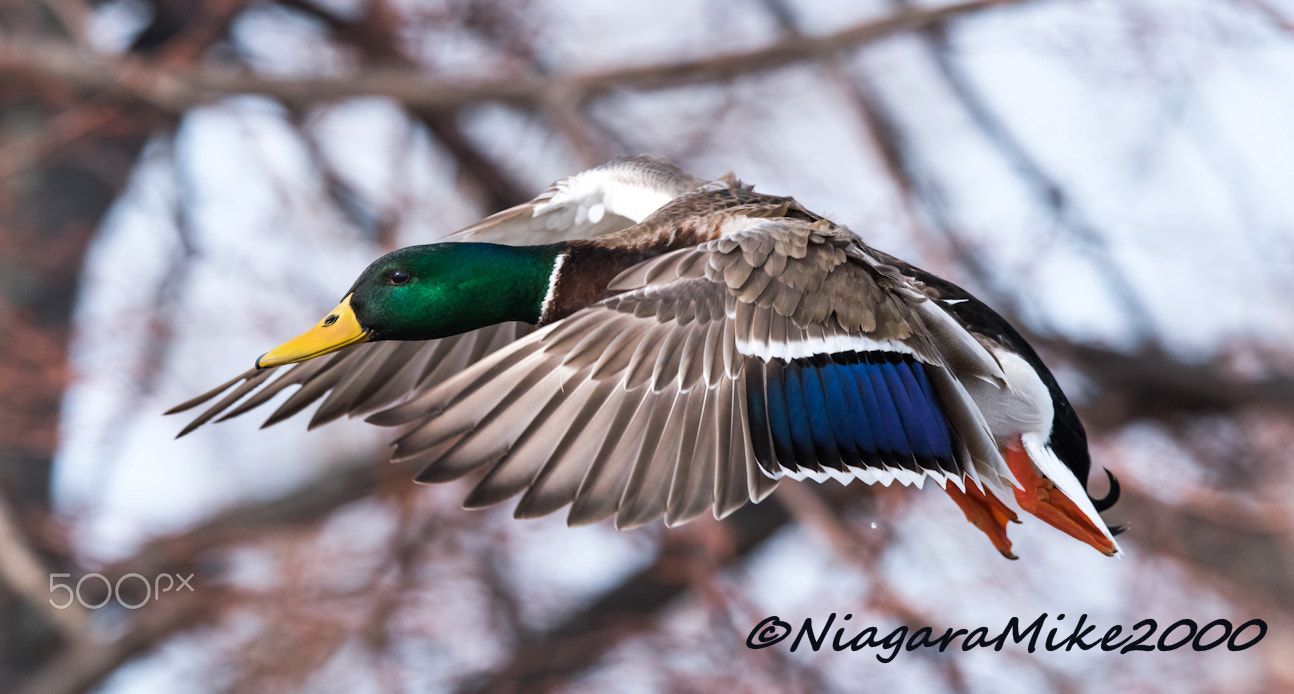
(785, 349)
(368, 377)
(357, 380)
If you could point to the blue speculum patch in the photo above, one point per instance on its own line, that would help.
(853, 409)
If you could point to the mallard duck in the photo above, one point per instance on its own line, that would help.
(695, 342)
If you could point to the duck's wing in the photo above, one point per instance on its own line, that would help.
(367, 377)
(611, 197)
(357, 380)
(782, 350)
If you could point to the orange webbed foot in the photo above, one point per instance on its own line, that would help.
(987, 513)
(1043, 499)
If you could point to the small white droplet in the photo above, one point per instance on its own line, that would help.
(873, 525)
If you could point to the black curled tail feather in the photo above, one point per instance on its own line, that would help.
(1111, 497)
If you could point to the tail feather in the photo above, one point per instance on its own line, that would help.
(1041, 456)
(1111, 497)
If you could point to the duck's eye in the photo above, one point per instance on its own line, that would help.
(398, 277)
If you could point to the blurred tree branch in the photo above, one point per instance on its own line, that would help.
(375, 35)
(1148, 384)
(1277, 18)
(56, 183)
(541, 661)
(87, 660)
(178, 90)
(1065, 209)
(22, 572)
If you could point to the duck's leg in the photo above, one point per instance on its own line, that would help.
(987, 513)
(1043, 499)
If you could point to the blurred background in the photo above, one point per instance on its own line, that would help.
(185, 183)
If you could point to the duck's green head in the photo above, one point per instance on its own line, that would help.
(428, 292)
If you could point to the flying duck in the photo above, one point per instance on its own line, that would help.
(637, 342)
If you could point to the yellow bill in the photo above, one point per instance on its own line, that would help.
(338, 329)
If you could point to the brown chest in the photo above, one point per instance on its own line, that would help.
(587, 267)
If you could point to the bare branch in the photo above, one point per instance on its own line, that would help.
(177, 90)
(1277, 18)
(627, 610)
(1150, 384)
(1248, 561)
(61, 130)
(26, 575)
(1064, 207)
(85, 662)
(377, 36)
(246, 521)
(73, 15)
